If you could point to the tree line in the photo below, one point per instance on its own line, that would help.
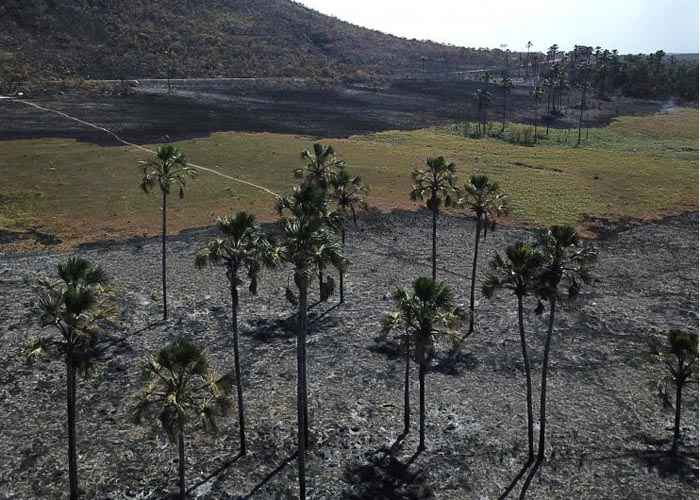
(182, 393)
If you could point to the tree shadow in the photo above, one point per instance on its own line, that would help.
(220, 470)
(387, 347)
(454, 362)
(264, 330)
(270, 475)
(385, 477)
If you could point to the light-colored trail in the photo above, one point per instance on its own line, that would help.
(142, 148)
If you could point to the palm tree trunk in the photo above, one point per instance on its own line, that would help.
(473, 284)
(677, 423)
(505, 110)
(301, 387)
(580, 116)
(406, 391)
(163, 236)
(543, 400)
(237, 361)
(72, 452)
(341, 274)
(181, 465)
(435, 216)
(528, 378)
(421, 381)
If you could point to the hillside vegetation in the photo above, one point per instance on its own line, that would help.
(107, 39)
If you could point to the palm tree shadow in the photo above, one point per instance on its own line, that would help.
(385, 477)
(454, 362)
(270, 475)
(683, 465)
(387, 346)
(264, 330)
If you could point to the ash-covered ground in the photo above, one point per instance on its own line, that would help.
(607, 425)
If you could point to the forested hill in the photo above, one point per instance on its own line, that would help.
(208, 38)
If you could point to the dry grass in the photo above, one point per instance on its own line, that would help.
(636, 167)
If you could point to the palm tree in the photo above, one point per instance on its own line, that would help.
(681, 362)
(168, 168)
(72, 305)
(567, 265)
(425, 312)
(179, 388)
(482, 98)
(435, 184)
(306, 243)
(349, 194)
(486, 201)
(518, 273)
(241, 247)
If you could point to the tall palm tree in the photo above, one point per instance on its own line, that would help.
(435, 183)
(306, 242)
(180, 388)
(425, 312)
(506, 84)
(681, 363)
(482, 98)
(349, 194)
(486, 201)
(241, 248)
(72, 305)
(566, 266)
(518, 273)
(167, 169)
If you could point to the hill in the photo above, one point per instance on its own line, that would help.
(106, 39)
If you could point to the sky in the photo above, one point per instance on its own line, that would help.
(631, 26)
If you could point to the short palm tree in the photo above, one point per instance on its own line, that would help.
(435, 183)
(681, 364)
(566, 266)
(73, 305)
(517, 272)
(425, 312)
(167, 169)
(179, 389)
(349, 194)
(241, 248)
(306, 242)
(485, 201)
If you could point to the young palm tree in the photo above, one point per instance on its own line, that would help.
(72, 305)
(435, 183)
(179, 388)
(241, 248)
(306, 242)
(167, 169)
(425, 312)
(682, 358)
(486, 201)
(565, 265)
(518, 273)
(349, 194)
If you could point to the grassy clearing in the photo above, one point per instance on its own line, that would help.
(636, 167)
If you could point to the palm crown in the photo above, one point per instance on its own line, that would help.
(517, 272)
(349, 193)
(564, 261)
(425, 312)
(484, 198)
(73, 304)
(434, 183)
(167, 168)
(321, 163)
(179, 386)
(242, 245)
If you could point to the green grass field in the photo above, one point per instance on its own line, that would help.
(638, 167)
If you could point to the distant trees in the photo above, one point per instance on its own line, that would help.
(425, 312)
(484, 199)
(167, 169)
(180, 388)
(434, 183)
(681, 363)
(73, 305)
(242, 247)
(566, 267)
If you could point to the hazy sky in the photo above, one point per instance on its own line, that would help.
(627, 25)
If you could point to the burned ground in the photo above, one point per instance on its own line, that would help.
(608, 427)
